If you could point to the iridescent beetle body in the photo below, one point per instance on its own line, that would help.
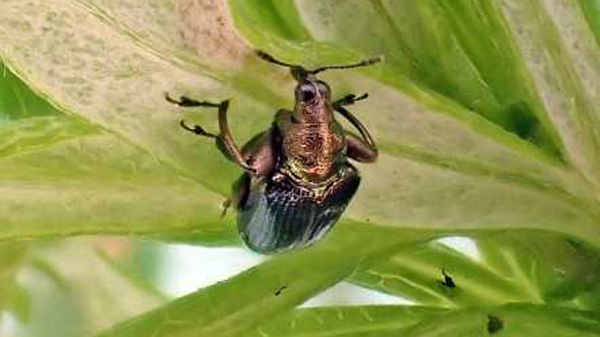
(297, 180)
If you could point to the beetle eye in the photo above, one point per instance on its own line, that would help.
(306, 93)
(324, 89)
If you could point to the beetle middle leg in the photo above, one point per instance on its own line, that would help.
(258, 152)
(224, 140)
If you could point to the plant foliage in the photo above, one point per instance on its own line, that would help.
(488, 118)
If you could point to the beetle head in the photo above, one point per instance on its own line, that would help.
(311, 91)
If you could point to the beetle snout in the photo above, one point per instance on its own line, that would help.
(312, 92)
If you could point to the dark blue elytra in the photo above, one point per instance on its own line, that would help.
(279, 214)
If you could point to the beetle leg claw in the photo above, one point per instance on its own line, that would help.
(197, 129)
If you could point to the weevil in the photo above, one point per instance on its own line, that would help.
(297, 178)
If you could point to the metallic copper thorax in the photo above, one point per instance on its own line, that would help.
(314, 143)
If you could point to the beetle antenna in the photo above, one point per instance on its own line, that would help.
(300, 73)
(269, 58)
(363, 63)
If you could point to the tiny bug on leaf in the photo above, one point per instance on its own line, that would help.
(448, 280)
(280, 290)
(494, 324)
(297, 180)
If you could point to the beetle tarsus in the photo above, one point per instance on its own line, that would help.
(197, 129)
(361, 97)
(189, 102)
(349, 100)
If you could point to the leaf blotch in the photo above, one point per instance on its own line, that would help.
(206, 26)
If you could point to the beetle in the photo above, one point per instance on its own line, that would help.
(297, 179)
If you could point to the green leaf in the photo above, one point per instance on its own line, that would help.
(121, 91)
(517, 320)
(411, 35)
(486, 176)
(591, 9)
(17, 100)
(485, 112)
(475, 141)
(279, 17)
(561, 55)
(57, 181)
(539, 268)
(36, 133)
(11, 255)
(232, 307)
(88, 294)
(371, 320)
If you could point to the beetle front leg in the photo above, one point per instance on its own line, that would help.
(259, 152)
(362, 149)
(359, 150)
(226, 143)
(223, 140)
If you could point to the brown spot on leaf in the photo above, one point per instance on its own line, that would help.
(207, 27)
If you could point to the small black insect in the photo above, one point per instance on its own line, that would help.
(495, 324)
(280, 290)
(297, 180)
(448, 280)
